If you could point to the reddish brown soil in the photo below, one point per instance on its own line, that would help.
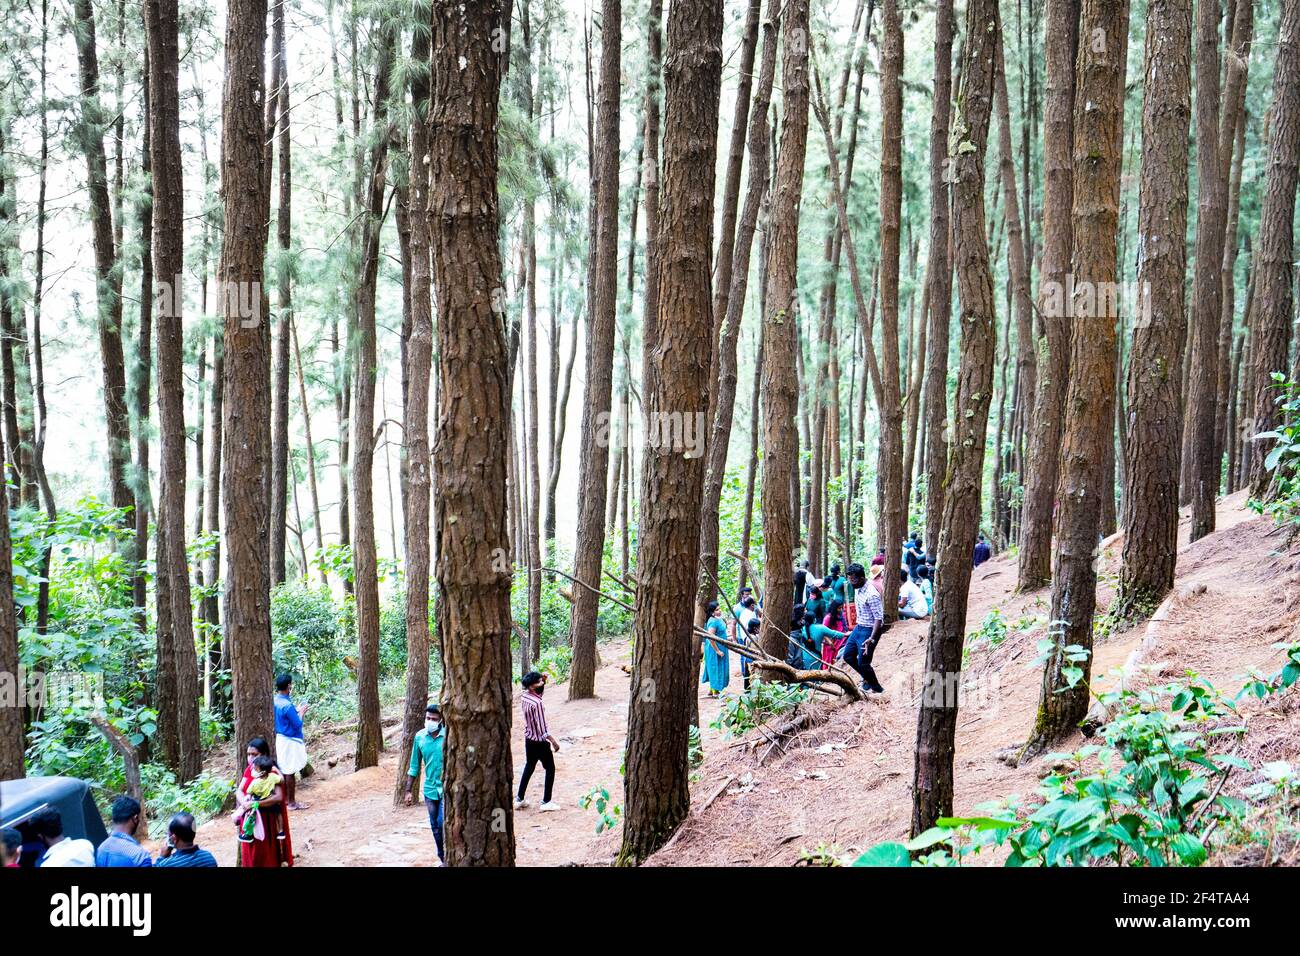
(845, 784)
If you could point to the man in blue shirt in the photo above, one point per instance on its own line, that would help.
(180, 849)
(290, 749)
(427, 751)
(121, 848)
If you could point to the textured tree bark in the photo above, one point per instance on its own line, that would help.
(1017, 261)
(1271, 324)
(589, 548)
(1232, 141)
(1154, 447)
(755, 404)
(657, 783)
(936, 358)
(415, 428)
(246, 411)
(284, 314)
(366, 572)
(936, 726)
(162, 26)
(1202, 470)
(724, 403)
(1038, 512)
(893, 512)
(823, 391)
(780, 384)
(12, 740)
(140, 396)
(469, 455)
(109, 303)
(38, 348)
(1103, 33)
(727, 238)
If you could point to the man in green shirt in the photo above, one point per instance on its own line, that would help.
(427, 751)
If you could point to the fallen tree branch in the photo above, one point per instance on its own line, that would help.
(793, 675)
(597, 591)
(130, 755)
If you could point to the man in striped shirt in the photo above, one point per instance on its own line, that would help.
(180, 849)
(861, 645)
(538, 742)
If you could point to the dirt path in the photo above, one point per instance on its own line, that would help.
(350, 820)
(845, 785)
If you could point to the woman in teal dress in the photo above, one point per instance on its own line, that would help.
(717, 662)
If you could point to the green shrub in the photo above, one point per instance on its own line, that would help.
(392, 634)
(1149, 795)
(164, 797)
(761, 702)
(306, 636)
(556, 662)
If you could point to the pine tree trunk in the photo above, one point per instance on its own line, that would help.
(724, 404)
(1026, 365)
(246, 411)
(109, 303)
(1231, 137)
(534, 549)
(284, 313)
(1211, 201)
(12, 741)
(415, 428)
(1090, 410)
(1154, 447)
(936, 359)
(162, 25)
(364, 553)
(469, 455)
(1271, 323)
(657, 783)
(144, 504)
(603, 281)
(1039, 510)
(893, 512)
(936, 727)
(780, 333)
(38, 348)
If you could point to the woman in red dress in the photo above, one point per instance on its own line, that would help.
(271, 850)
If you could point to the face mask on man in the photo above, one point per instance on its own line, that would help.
(433, 726)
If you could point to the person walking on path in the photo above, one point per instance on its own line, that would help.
(427, 752)
(539, 745)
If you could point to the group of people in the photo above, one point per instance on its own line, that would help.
(53, 848)
(540, 746)
(265, 796)
(836, 616)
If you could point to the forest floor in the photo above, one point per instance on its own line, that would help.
(350, 819)
(845, 784)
